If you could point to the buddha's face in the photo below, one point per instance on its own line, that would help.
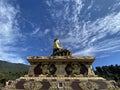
(58, 41)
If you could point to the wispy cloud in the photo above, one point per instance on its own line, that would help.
(9, 33)
(103, 56)
(86, 52)
(84, 35)
(37, 32)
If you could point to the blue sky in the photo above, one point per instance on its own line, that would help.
(86, 27)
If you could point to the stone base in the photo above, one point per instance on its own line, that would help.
(61, 73)
(61, 83)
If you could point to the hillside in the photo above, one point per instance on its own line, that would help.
(12, 67)
(11, 71)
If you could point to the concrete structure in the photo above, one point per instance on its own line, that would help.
(61, 73)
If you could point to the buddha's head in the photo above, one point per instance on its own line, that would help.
(57, 41)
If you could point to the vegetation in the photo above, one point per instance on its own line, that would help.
(109, 72)
(11, 71)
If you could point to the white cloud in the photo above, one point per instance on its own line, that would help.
(9, 33)
(11, 57)
(96, 35)
(103, 56)
(36, 31)
(85, 52)
(46, 31)
(86, 36)
(115, 6)
(48, 3)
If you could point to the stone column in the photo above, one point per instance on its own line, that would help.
(31, 70)
(90, 70)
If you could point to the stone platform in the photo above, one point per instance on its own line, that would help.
(60, 65)
(61, 73)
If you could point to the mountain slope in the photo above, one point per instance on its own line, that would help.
(12, 67)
